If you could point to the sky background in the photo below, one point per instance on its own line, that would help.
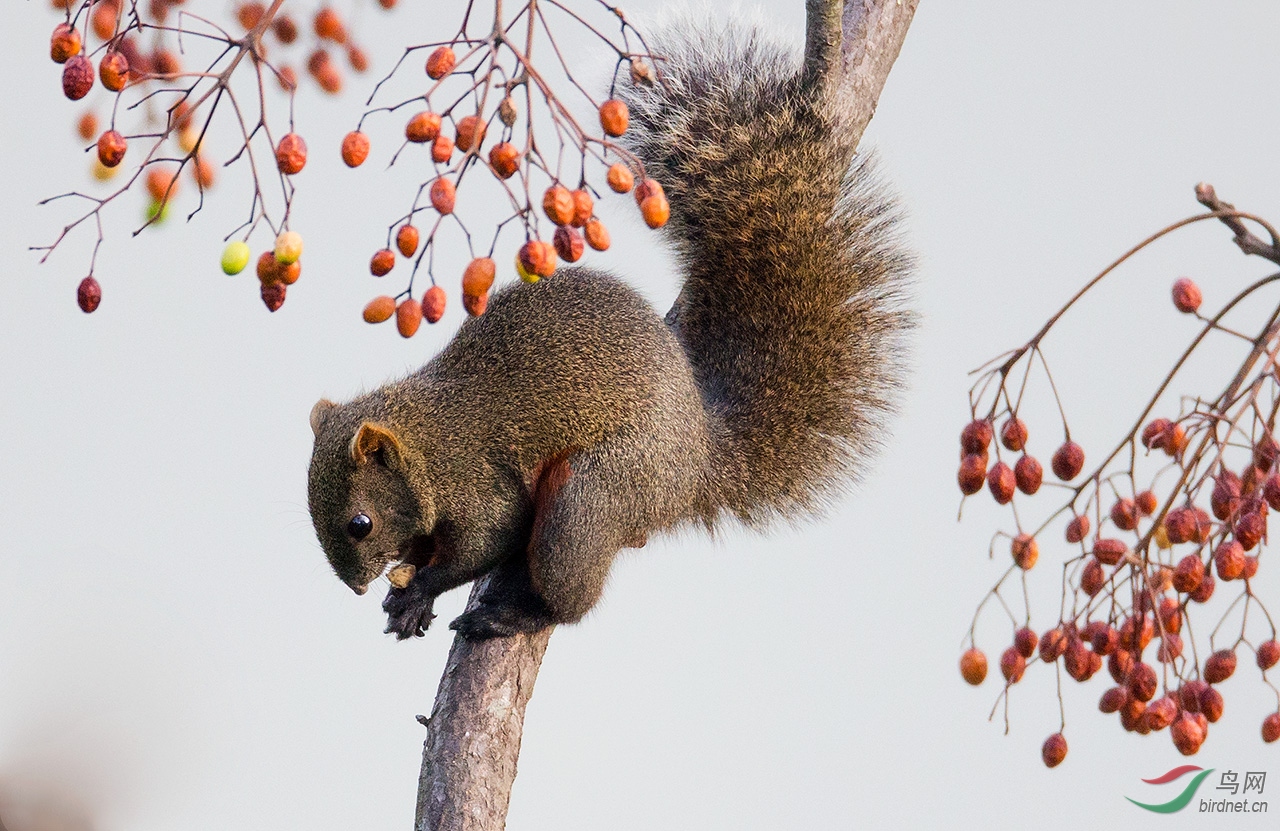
(175, 653)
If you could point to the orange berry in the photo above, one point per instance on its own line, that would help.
(477, 279)
(161, 183)
(87, 126)
(433, 304)
(250, 14)
(423, 127)
(613, 117)
(1013, 435)
(114, 71)
(656, 211)
(1029, 474)
(441, 149)
(408, 317)
(583, 208)
(443, 195)
(557, 203)
(598, 236)
(441, 62)
(355, 148)
(203, 172)
(285, 30)
(328, 25)
(1001, 482)
(291, 154)
(568, 243)
(1271, 728)
(471, 132)
(650, 187)
(537, 258)
(475, 304)
(1146, 503)
(1219, 666)
(103, 20)
(1025, 551)
(357, 58)
(973, 666)
(64, 43)
(1012, 665)
(620, 178)
(407, 240)
(505, 159)
(111, 148)
(1077, 528)
(382, 262)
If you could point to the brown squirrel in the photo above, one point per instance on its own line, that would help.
(570, 421)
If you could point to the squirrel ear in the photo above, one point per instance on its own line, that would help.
(373, 439)
(322, 406)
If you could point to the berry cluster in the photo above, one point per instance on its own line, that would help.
(488, 85)
(166, 70)
(1172, 518)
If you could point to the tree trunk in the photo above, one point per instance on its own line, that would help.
(473, 736)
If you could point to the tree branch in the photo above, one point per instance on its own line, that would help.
(873, 34)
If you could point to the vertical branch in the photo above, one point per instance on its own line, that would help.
(873, 35)
(823, 39)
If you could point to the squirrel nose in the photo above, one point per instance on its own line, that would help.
(360, 589)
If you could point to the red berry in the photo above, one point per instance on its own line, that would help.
(1052, 644)
(64, 43)
(1077, 528)
(505, 159)
(1225, 499)
(1113, 699)
(1025, 551)
(1268, 654)
(1092, 577)
(1186, 295)
(1001, 482)
(1204, 591)
(1109, 551)
(1250, 528)
(355, 148)
(1229, 560)
(1013, 434)
(1024, 640)
(423, 127)
(114, 70)
(273, 295)
(1160, 714)
(77, 77)
(111, 148)
(1211, 704)
(88, 294)
(443, 195)
(1012, 665)
(1054, 750)
(441, 62)
(1143, 682)
(975, 437)
(291, 154)
(1068, 461)
(1188, 573)
(973, 472)
(382, 262)
(1146, 503)
(1029, 474)
(1187, 734)
(1271, 728)
(433, 304)
(1219, 666)
(1124, 514)
(568, 243)
(406, 241)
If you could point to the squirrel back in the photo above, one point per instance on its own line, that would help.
(791, 312)
(570, 420)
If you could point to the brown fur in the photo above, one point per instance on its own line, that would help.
(761, 394)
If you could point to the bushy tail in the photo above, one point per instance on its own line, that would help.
(791, 311)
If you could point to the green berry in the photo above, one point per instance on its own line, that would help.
(235, 257)
(157, 211)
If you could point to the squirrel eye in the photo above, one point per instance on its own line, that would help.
(360, 526)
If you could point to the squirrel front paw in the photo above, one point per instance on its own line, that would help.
(498, 621)
(409, 611)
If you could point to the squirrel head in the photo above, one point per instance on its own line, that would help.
(363, 504)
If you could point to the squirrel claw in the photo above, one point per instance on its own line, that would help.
(409, 613)
(485, 622)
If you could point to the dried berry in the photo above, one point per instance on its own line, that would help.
(1271, 728)
(1131, 716)
(471, 132)
(443, 195)
(1169, 613)
(1001, 482)
(620, 178)
(1268, 654)
(1024, 640)
(1187, 734)
(557, 203)
(568, 243)
(285, 30)
(423, 127)
(1054, 750)
(1186, 295)
(407, 240)
(1013, 434)
(1119, 664)
(382, 262)
(1146, 503)
(380, 309)
(433, 303)
(1180, 525)
(650, 187)
(111, 148)
(1204, 591)
(1104, 638)
(1124, 514)
(507, 112)
(291, 154)
(1160, 714)
(1109, 551)
(114, 70)
(1025, 551)
(441, 62)
(273, 295)
(1029, 474)
(1092, 578)
(1211, 704)
(355, 148)
(478, 276)
(1153, 434)
(583, 207)
(1225, 499)
(408, 317)
(1077, 528)
(1228, 560)
(1219, 666)
(77, 77)
(475, 304)
(1143, 682)
(1113, 699)
(1170, 647)
(973, 666)
(1052, 644)
(613, 117)
(88, 294)
(64, 43)
(598, 238)
(1068, 461)
(505, 159)
(1265, 452)
(1012, 665)
(1250, 528)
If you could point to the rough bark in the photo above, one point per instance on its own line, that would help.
(473, 736)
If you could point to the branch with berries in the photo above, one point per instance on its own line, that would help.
(1165, 533)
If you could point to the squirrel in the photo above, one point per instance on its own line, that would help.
(570, 420)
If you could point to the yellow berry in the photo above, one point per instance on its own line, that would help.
(235, 257)
(288, 247)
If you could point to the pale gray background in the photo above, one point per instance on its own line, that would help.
(174, 653)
